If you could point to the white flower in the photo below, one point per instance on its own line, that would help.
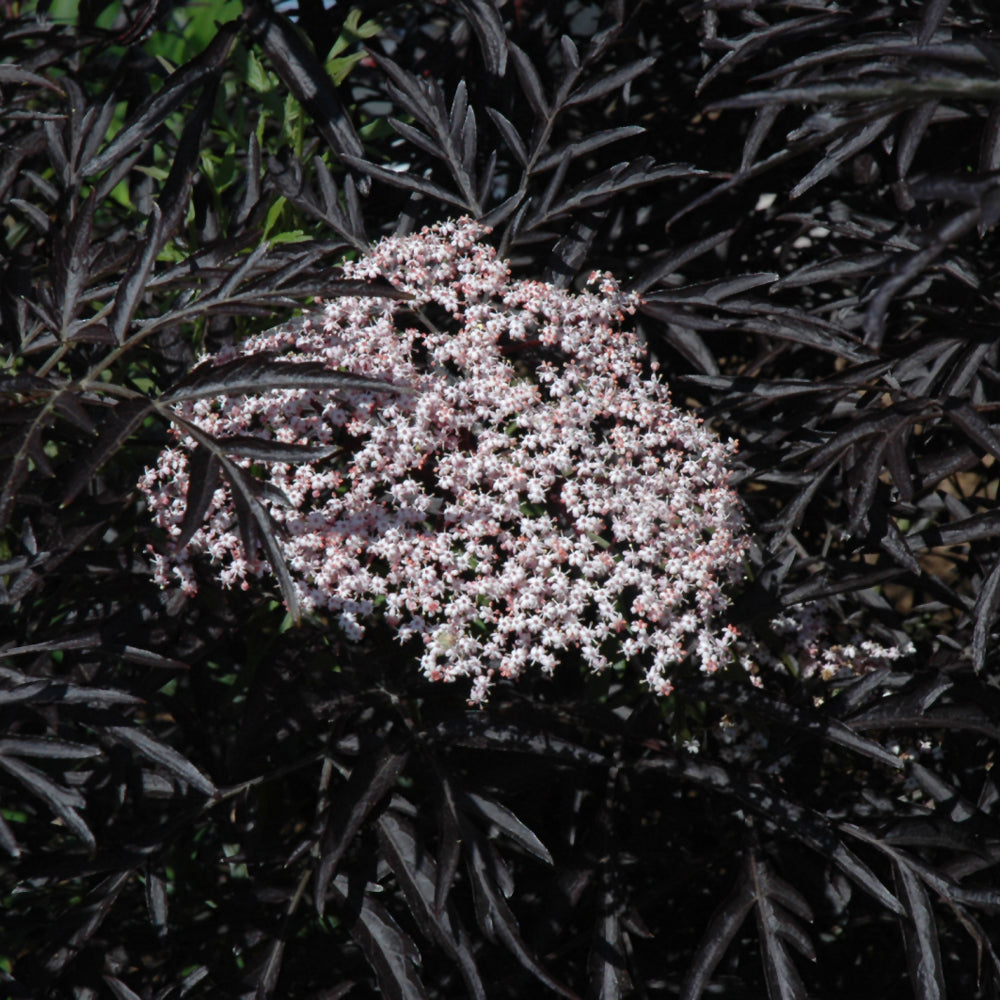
(499, 520)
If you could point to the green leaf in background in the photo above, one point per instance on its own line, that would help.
(354, 31)
(189, 29)
(273, 218)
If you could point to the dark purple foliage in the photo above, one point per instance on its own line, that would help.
(199, 799)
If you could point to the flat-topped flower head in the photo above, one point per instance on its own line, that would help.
(538, 496)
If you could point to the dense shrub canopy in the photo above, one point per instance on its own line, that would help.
(254, 791)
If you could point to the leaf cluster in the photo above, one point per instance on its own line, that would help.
(198, 798)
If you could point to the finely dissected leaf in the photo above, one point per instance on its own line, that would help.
(140, 128)
(485, 20)
(914, 266)
(97, 906)
(750, 390)
(389, 950)
(95, 132)
(344, 219)
(942, 883)
(265, 372)
(414, 867)
(73, 262)
(35, 746)
(966, 419)
(156, 899)
(479, 732)
(510, 135)
(976, 528)
(412, 93)
(7, 840)
(256, 525)
(776, 901)
(841, 580)
(204, 468)
(832, 270)
(505, 821)
(935, 831)
(897, 463)
(56, 144)
(407, 181)
(616, 180)
(985, 614)
(166, 756)
(899, 89)
(870, 690)
(601, 42)
(449, 837)
(267, 450)
(133, 284)
(581, 147)
(452, 137)
(612, 81)
(951, 799)
(12, 73)
(984, 944)
(64, 802)
(530, 81)
(860, 430)
(570, 53)
(941, 464)
(863, 481)
(16, 470)
(418, 875)
(691, 346)
(755, 41)
(48, 691)
(795, 327)
(606, 967)
(252, 193)
(968, 369)
(371, 781)
(415, 136)
(913, 133)
(38, 218)
(718, 936)
(842, 151)
(492, 907)
(673, 262)
(267, 978)
(245, 270)
(119, 989)
(930, 19)
(898, 547)
(713, 292)
(93, 639)
(466, 140)
(763, 122)
(22, 149)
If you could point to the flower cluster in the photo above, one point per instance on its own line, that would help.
(536, 496)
